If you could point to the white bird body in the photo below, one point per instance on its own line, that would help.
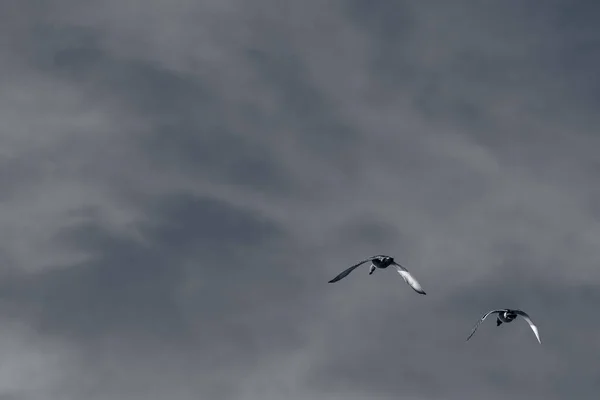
(382, 262)
(507, 315)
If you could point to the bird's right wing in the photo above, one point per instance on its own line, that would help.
(534, 328)
(408, 278)
(345, 273)
(481, 320)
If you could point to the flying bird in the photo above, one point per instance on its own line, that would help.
(382, 262)
(508, 315)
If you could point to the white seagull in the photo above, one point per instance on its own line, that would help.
(382, 262)
(508, 315)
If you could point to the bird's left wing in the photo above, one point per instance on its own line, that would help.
(481, 320)
(345, 273)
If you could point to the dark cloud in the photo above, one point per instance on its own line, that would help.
(420, 350)
(189, 129)
(188, 286)
(132, 286)
(180, 182)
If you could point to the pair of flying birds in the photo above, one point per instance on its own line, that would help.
(382, 262)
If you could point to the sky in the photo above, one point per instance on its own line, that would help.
(180, 179)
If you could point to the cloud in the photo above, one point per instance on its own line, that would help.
(180, 181)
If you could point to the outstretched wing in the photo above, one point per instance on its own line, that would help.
(345, 273)
(531, 324)
(408, 278)
(483, 319)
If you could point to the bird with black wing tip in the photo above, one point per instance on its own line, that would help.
(506, 315)
(382, 262)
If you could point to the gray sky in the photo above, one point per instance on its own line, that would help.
(180, 179)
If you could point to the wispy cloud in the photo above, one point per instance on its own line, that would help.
(179, 181)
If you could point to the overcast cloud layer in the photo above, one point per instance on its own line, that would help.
(180, 179)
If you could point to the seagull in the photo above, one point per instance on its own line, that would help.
(508, 315)
(382, 262)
